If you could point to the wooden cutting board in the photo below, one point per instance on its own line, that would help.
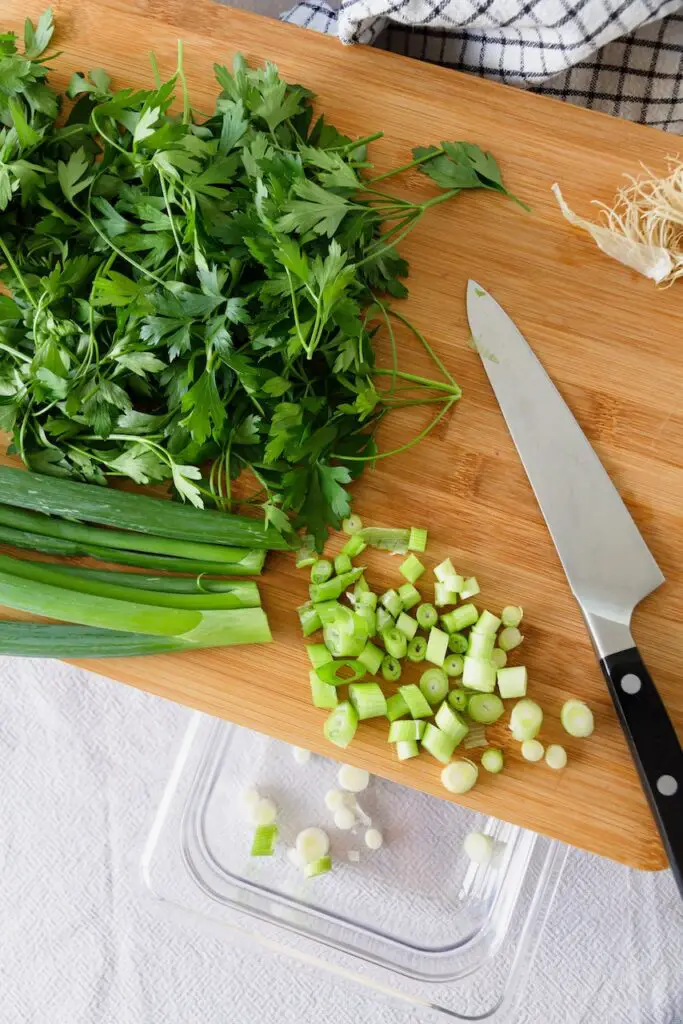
(611, 341)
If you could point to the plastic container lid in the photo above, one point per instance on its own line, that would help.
(415, 920)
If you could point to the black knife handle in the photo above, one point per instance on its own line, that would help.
(654, 746)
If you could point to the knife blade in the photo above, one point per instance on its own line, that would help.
(608, 565)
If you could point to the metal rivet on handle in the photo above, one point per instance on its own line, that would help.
(667, 785)
(630, 683)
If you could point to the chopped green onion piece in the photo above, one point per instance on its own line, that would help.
(450, 722)
(532, 750)
(407, 625)
(318, 654)
(410, 596)
(366, 599)
(457, 642)
(352, 525)
(459, 776)
(556, 756)
(434, 685)
(323, 695)
(476, 737)
(453, 665)
(265, 840)
(386, 539)
(511, 615)
(371, 657)
(417, 539)
(306, 555)
(342, 563)
(459, 699)
(331, 612)
(417, 649)
(479, 847)
(444, 594)
(407, 729)
(384, 619)
(479, 675)
(512, 682)
(362, 587)
(487, 623)
(330, 590)
(526, 720)
(309, 618)
(395, 642)
(340, 726)
(492, 760)
(437, 645)
(367, 700)
(412, 568)
(427, 616)
(415, 700)
(577, 718)
(445, 571)
(329, 673)
(368, 615)
(509, 638)
(407, 749)
(311, 844)
(485, 708)
(439, 744)
(480, 645)
(460, 618)
(396, 707)
(321, 570)
(499, 658)
(392, 602)
(317, 867)
(354, 546)
(391, 668)
(469, 588)
(344, 644)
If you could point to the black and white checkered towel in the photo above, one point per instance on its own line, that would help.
(624, 57)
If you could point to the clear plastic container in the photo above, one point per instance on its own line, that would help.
(416, 920)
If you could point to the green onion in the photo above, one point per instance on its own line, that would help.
(366, 613)
(479, 847)
(457, 642)
(342, 642)
(354, 546)
(318, 867)
(384, 620)
(532, 750)
(485, 708)
(139, 513)
(511, 615)
(439, 744)
(486, 623)
(417, 649)
(526, 720)
(395, 642)
(412, 568)
(306, 556)
(340, 726)
(391, 668)
(426, 616)
(459, 776)
(264, 841)
(245, 591)
(444, 594)
(460, 618)
(415, 700)
(556, 756)
(392, 602)
(512, 682)
(309, 618)
(509, 638)
(352, 525)
(453, 665)
(476, 737)
(407, 729)
(44, 640)
(365, 598)
(396, 707)
(332, 612)
(450, 722)
(342, 564)
(329, 672)
(407, 749)
(371, 657)
(323, 695)
(410, 596)
(459, 699)
(479, 675)
(386, 539)
(318, 655)
(407, 625)
(437, 645)
(333, 588)
(499, 658)
(480, 645)
(417, 539)
(367, 700)
(577, 718)
(445, 571)
(492, 760)
(470, 588)
(434, 685)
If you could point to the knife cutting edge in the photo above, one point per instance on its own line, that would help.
(608, 564)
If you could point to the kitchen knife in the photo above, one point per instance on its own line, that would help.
(608, 564)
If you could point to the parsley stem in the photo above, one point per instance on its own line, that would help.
(405, 167)
(404, 447)
(15, 352)
(350, 146)
(170, 217)
(451, 389)
(427, 347)
(187, 111)
(17, 273)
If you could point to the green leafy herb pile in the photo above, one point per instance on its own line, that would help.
(193, 290)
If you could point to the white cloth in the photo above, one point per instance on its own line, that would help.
(83, 762)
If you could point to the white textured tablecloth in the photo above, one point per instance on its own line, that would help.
(83, 762)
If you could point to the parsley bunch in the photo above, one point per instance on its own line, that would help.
(192, 296)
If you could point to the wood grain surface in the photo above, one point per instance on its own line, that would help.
(611, 341)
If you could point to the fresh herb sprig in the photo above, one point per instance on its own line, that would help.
(190, 291)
